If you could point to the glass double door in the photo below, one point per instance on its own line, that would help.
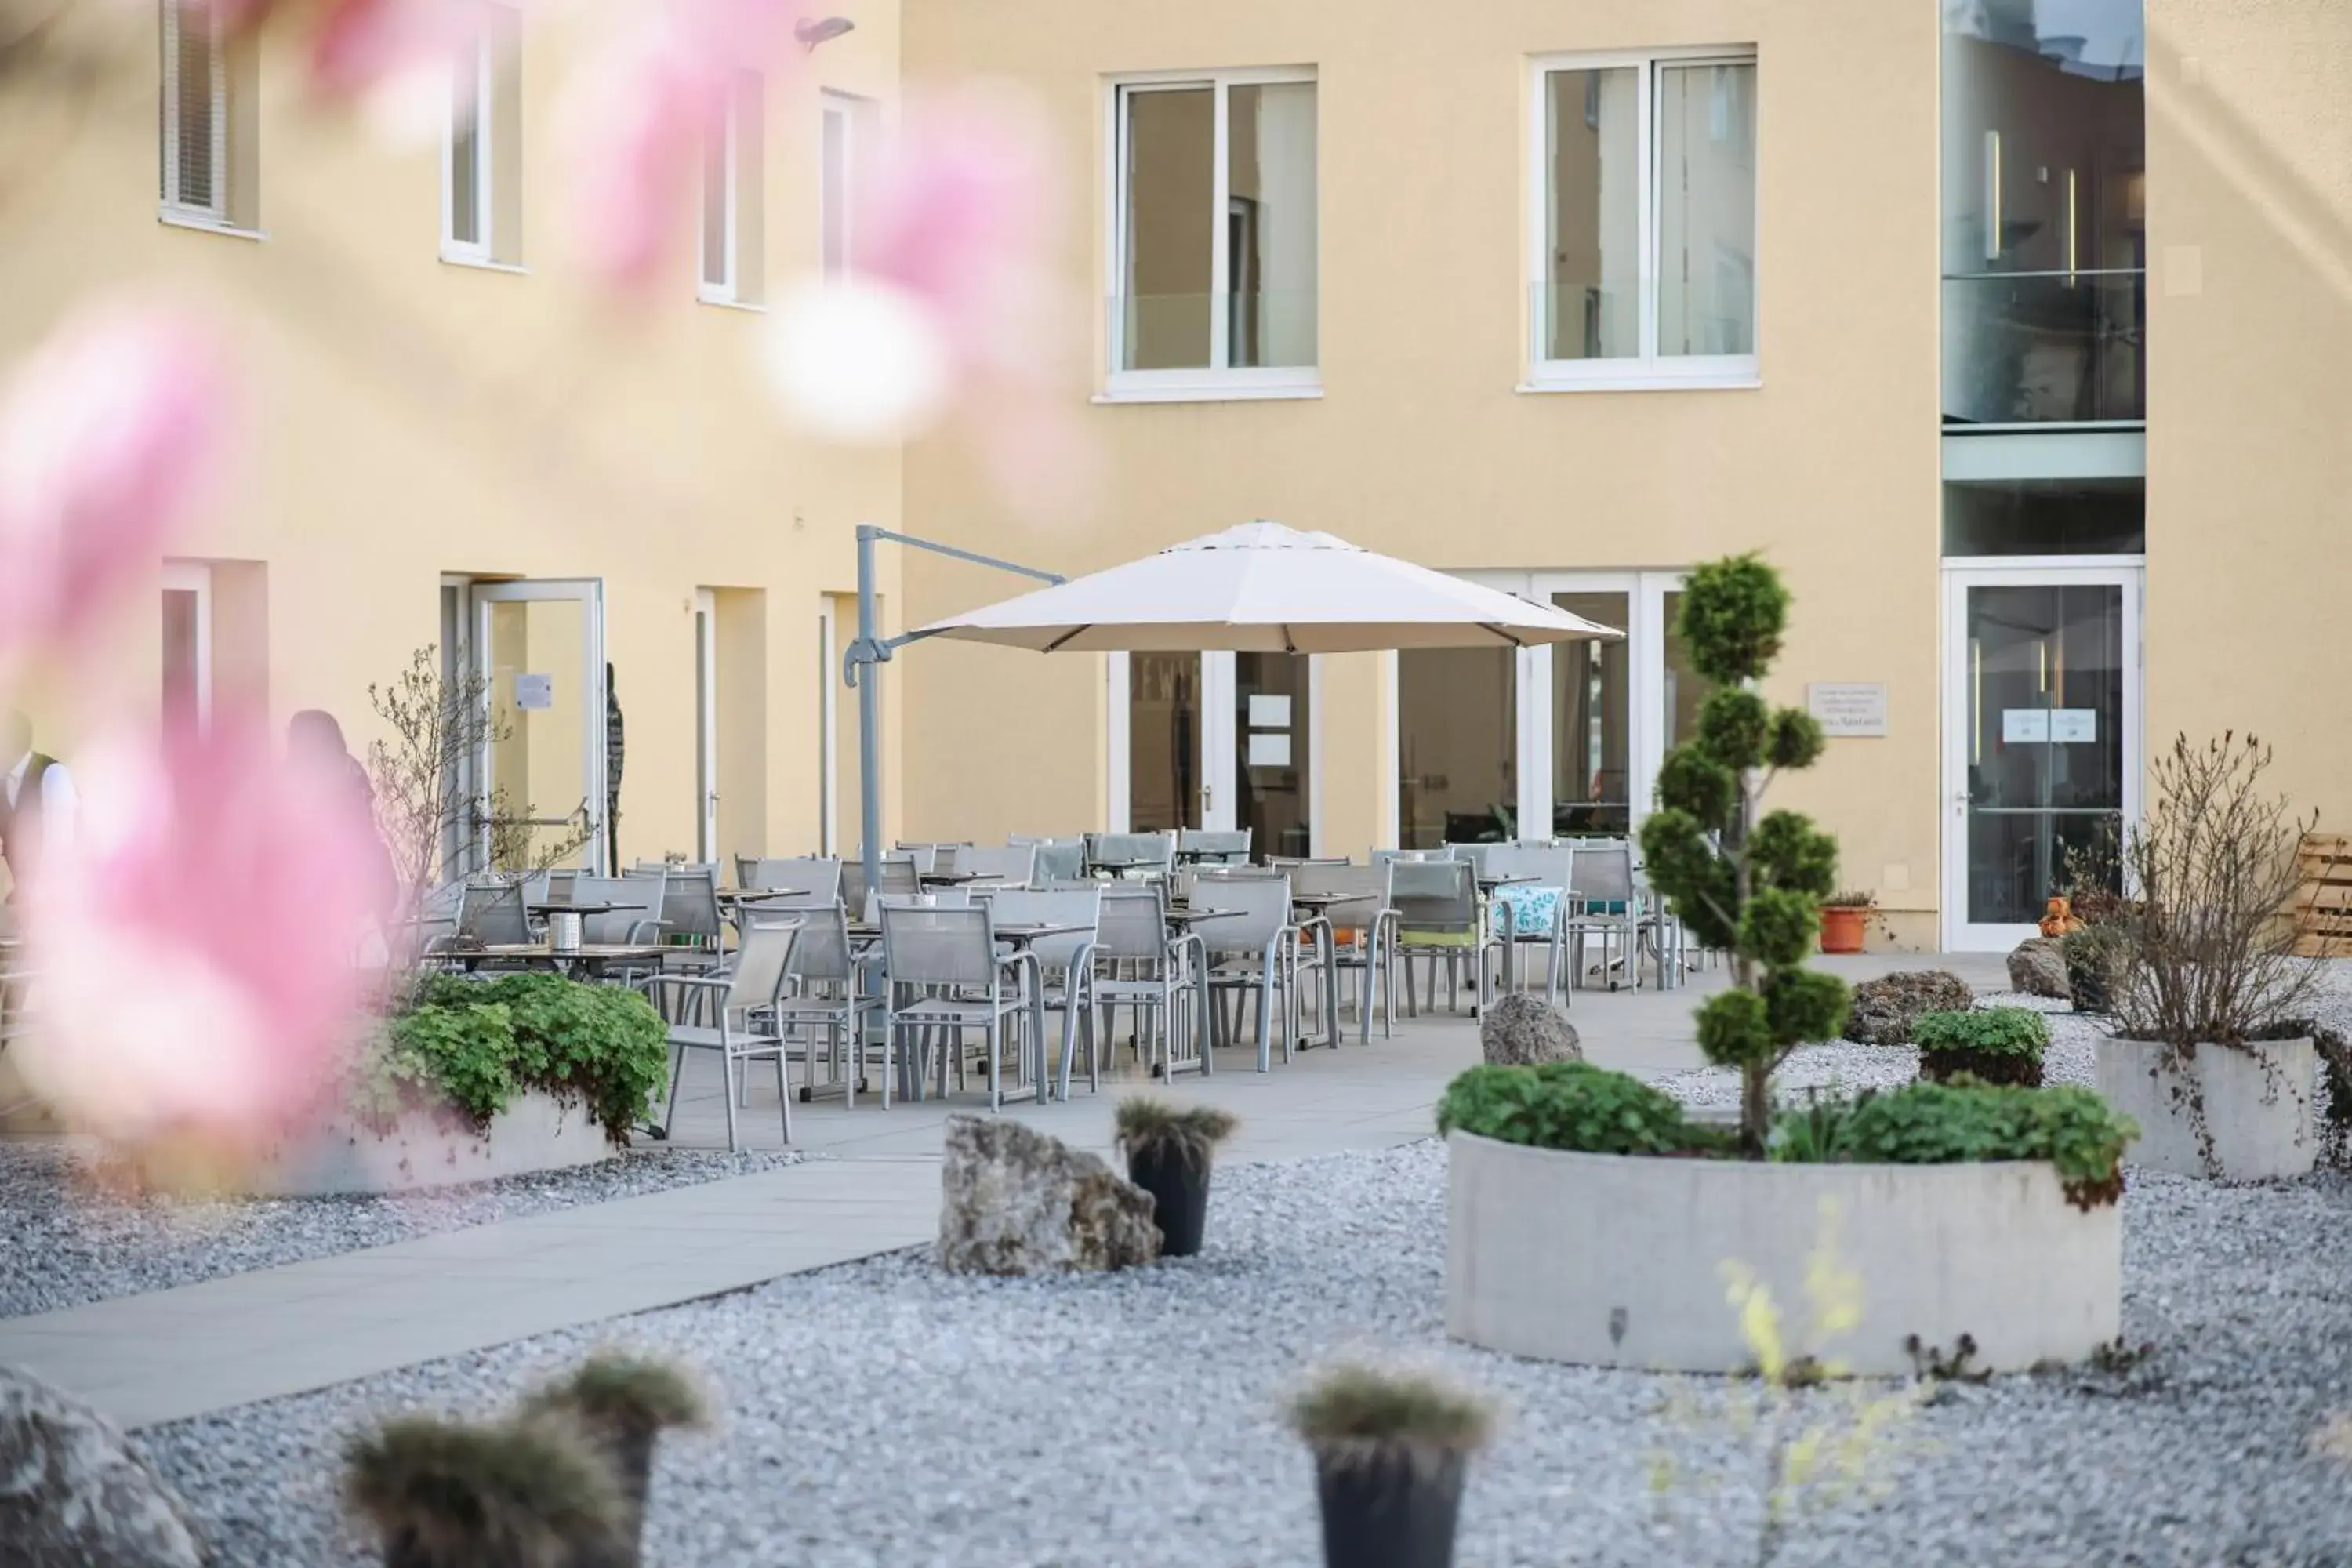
(1219, 741)
(2042, 742)
(550, 762)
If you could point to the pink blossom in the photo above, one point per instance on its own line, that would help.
(639, 113)
(106, 432)
(195, 942)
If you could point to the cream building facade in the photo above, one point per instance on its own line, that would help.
(2008, 329)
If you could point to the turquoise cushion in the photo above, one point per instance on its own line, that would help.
(1525, 911)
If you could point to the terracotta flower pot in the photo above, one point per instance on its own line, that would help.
(1842, 928)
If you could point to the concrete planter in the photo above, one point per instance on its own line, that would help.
(1614, 1260)
(430, 1149)
(2259, 1102)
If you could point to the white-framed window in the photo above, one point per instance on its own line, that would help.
(841, 130)
(1642, 270)
(732, 252)
(481, 151)
(195, 119)
(1213, 243)
(187, 642)
(469, 166)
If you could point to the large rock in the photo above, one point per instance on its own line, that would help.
(1014, 1201)
(1885, 1009)
(2038, 968)
(74, 1493)
(1520, 1030)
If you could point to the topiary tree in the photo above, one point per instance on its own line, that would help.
(1748, 884)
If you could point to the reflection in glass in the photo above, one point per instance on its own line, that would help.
(2045, 517)
(1457, 718)
(181, 658)
(1591, 706)
(1272, 721)
(1594, 236)
(465, 152)
(1163, 741)
(1707, 209)
(1270, 230)
(1683, 689)
(1169, 241)
(2045, 743)
(718, 194)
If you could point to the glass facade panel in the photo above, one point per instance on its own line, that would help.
(1457, 741)
(2046, 517)
(1171, 147)
(1270, 224)
(1681, 688)
(1707, 209)
(1163, 741)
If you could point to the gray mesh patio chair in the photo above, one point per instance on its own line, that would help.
(1439, 915)
(732, 1013)
(1059, 860)
(635, 912)
(1251, 954)
(1012, 866)
(1214, 846)
(899, 879)
(1065, 966)
(1137, 965)
(1608, 907)
(1131, 854)
(942, 973)
(793, 874)
(557, 887)
(1382, 857)
(1535, 913)
(1360, 933)
(491, 912)
(689, 909)
(1476, 854)
(828, 993)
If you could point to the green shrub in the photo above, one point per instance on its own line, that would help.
(1998, 1045)
(1572, 1106)
(477, 1044)
(2095, 956)
(1965, 1120)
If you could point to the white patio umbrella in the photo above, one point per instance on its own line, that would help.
(1264, 588)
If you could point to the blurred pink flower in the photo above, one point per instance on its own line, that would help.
(638, 116)
(195, 942)
(106, 433)
(950, 304)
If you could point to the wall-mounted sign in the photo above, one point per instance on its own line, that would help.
(534, 693)
(1845, 707)
(1268, 713)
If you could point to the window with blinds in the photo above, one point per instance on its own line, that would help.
(196, 112)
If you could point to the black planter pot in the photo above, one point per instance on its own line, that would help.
(1180, 1192)
(1390, 1513)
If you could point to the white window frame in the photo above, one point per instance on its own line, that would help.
(175, 14)
(840, 202)
(1217, 379)
(482, 249)
(724, 290)
(1648, 368)
(196, 577)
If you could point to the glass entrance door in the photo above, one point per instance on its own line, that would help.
(542, 780)
(1165, 750)
(1273, 786)
(2041, 741)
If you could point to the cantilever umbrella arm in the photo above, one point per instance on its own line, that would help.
(867, 649)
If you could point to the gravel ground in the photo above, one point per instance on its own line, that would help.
(883, 1413)
(74, 1237)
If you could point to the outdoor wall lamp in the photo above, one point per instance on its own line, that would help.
(810, 31)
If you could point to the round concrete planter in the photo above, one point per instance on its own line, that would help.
(1614, 1260)
(2258, 1107)
(430, 1149)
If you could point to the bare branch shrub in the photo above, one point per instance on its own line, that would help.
(2209, 874)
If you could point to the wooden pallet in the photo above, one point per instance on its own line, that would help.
(2322, 905)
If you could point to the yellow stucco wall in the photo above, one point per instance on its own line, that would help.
(1420, 444)
(405, 417)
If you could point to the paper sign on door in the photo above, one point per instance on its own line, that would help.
(2074, 725)
(2022, 726)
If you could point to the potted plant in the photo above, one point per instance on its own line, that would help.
(624, 1402)
(1390, 1450)
(454, 1494)
(2207, 972)
(1980, 1209)
(1169, 1150)
(1992, 1044)
(1846, 919)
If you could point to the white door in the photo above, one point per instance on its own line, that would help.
(706, 723)
(2041, 736)
(539, 646)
